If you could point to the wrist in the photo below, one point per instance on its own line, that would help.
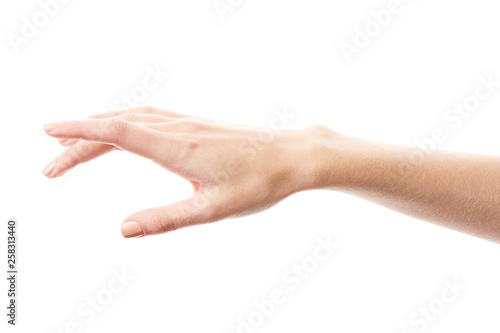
(327, 159)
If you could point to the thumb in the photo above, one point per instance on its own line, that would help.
(195, 210)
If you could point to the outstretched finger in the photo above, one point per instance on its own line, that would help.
(133, 117)
(152, 221)
(80, 152)
(132, 137)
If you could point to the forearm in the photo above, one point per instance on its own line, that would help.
(456, 190)
(239, 170)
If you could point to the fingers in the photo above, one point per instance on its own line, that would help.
(111, 132)
(68, 142)
(133, 117)
(193, 211)
(80, 152)
(142, 118)
(142, 110)
(114, 131)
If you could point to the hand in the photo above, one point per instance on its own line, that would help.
(235, 170)
(238, 170)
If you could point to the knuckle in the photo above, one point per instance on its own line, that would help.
(118, 127)
(317, 128)
(148, 109)
(65, 160)
(76, 125)
(68, 158)
(134, 117)
(320, 130)
(163, 221)
(73, 155)
(191, 124)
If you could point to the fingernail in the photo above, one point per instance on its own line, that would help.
(49, 168)
(131, 229)
(50, 127)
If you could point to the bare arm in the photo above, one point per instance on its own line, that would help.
(237, 170)
(456, 190)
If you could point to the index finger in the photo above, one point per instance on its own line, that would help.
(129, 136)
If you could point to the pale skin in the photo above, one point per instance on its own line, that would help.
(238, 170)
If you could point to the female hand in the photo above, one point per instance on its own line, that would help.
(235, 170)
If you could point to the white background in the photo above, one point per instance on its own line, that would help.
(263, 55)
